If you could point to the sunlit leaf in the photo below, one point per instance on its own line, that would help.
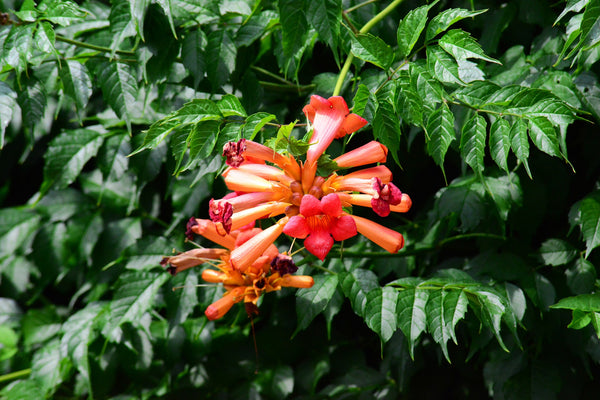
(461, 45)
(440, 129)
(412, 318)
(380, 311)
(410, 28)
(372, 49)
(447, 18)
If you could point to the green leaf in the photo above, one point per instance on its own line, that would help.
(447, 18)
(78, 333)
(311, 302)
(361, 98)
(220, 55)
(119, 88)
(500, 142)
(255, 27)
(386, 128)
(134, 296)
(356, 285)
(32, 100)
(167, 8)
(410, 28)
(255, 123)
(557, 252)
(491, 308)
(8, 343)
(586, 214)
(8, 105)
(581, 277)
(541, 103)
(472, 142)
(372, 49)
(442, 66)
(229, 105)
(412, 318)
(45, 38)
(192, 51)
(66, 156)
(437, 325)
(580, 319)
(47, 368)
(16, 51)
(572, 5)
(429, 89)
(519, 143)
(61, 12)
(202, 139)
(454, 304)
(583, 302)
(440, 129)
(137, 9)
(326, 17)
(27, 12)
(462, 46)
(544, 136)
(408, 101)
(122, 25)
(293, 26)
(181, 303)
(463, 201)
(380, 311)
(77, 83)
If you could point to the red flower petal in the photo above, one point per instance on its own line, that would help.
(310, 205)
(296, 227)
(319, 243)
(344, 228)
(331, 205)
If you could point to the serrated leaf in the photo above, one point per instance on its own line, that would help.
(461, 45)
(557, 252)
(134, 296)
(455, 305)
(32, 100)
(410, 28)
(61, 12)
(311, 302)
(7, 108)
(442, 66)
(429, 89)
(588, 218)
(580, 319)
(167, 8)
(360, 99)
(464, 202)
(254, 124)
(66, 156)
(386, 128)
(122, 24)
(519, 143)
(78, 333)
(541, 103)
(230, 105)
(183, 301)
(544, 136)
(47, 368)
(77, 83)
(477, 93)
(492, 309)
(412, 318)
(326, 17)
(500, 142)
(16, 50)
(45, 38)
(293, 26)
(447, 18)
(436, 322)
(572, 5)
(408, 102)
(356, 284)
(255, 27)
(472, 142)
(220, 54)
(583, 302)
(202, 139)
(581, 277)
(192, 51)
(119, 88)
(380, 311)
(372, 49)
(440, 130)
(137, 9)
(16, 227)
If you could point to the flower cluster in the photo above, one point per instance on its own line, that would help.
(265, 271)
(265, 184)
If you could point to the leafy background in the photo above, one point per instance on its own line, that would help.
(112, 115)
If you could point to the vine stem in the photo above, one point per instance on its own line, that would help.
(366, 28)
(15, 375)
(93, 46)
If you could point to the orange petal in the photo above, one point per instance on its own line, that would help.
(388, 239)
(220, 307)
(250, 215)
(192, 258)
(297, 281)
(370, 153)
(244, 181)
(268, 172)
(243, 256)
(208, 229)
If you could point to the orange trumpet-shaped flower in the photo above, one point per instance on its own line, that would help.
(370, 153)
(264, 269)
(389, 239)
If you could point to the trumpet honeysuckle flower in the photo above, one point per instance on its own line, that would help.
(320, 222)
(386, 238)
(264, 268)
(370, 153)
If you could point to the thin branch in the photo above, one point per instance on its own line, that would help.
(93, 46)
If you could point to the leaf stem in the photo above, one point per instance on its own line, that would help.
(93, 46)
(364, 29)
(356, 7)
(15, 375)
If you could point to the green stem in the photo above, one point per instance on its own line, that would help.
(346, 67)
(356, 7)
(93, 46)
(15, 375)
(272, 75)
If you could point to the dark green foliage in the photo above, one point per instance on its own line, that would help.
(112, 120)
